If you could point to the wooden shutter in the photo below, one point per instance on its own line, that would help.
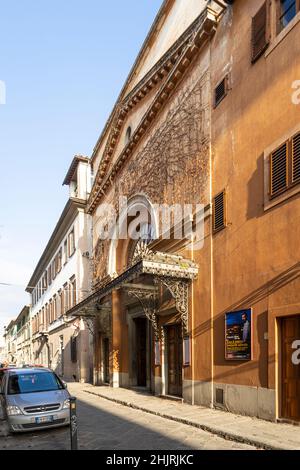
(219, 212)
(296, 158)
(279, 169)
(260, 39)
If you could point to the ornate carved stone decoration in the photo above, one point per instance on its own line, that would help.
(141, 251)
(148, 301)
(179, 291)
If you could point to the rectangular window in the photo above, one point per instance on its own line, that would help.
(59, 260)
(221, 91)
(287, 11)
(219, 212)
(279, 170)
(47, 316)
(72, 292)
(44, 282)
(58, 305)
(285, 166)
(71, 242)
(66, 297)
(54, 307)
(61, 302)
(50, 312)
(53, 269)
(49, 275)
(43, 318)
(259, 32)
(65, 251)
(74, 349)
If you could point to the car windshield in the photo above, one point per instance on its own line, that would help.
(33, 382)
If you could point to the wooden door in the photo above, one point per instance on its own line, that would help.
(290, 332)
(106, 360)
(97, 357)
(174, 344)
(141, 351)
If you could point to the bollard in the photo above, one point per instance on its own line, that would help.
(73, 424)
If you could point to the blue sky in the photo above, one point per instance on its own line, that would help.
(63, 64)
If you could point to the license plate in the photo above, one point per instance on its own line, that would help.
(44, 419)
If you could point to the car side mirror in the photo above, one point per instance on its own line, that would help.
(65, 385)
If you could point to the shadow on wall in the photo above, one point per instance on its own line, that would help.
(66, 363)
(255, 207)
(261, 322)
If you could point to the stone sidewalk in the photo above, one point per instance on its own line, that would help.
(253, 431)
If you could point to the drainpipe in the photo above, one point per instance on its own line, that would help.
(211, 255)
(192, 335)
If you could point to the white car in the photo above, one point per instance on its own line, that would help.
(34, 399)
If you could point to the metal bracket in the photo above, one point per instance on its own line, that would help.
(179, 289)
(148, 301)
(89, 322)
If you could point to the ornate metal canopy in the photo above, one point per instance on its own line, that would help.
(171, 271)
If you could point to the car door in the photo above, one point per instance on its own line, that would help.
(2, 394)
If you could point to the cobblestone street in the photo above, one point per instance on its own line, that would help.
(110, 426)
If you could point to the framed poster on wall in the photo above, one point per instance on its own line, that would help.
(238, 335)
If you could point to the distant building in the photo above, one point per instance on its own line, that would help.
(2, 355)
(60, 281)
(10, 337)
(23, 337)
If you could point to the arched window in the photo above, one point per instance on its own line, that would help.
(147, 235)
(128, 135)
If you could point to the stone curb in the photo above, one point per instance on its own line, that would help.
(213, 430)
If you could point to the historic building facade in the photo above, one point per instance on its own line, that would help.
(10, 338)
(60, 281)
(208, 117)
(256, 163)
(23, 337)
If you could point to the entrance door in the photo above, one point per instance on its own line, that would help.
(141, 351)
(106, 360)
(174, 339)
(290, 371)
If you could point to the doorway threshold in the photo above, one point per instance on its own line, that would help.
(172, 397)
(287, 421)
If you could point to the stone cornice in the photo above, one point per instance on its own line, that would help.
(175, 64)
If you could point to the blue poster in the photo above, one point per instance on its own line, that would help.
(238, 335)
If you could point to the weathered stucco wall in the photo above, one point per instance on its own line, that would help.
(255, 257)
